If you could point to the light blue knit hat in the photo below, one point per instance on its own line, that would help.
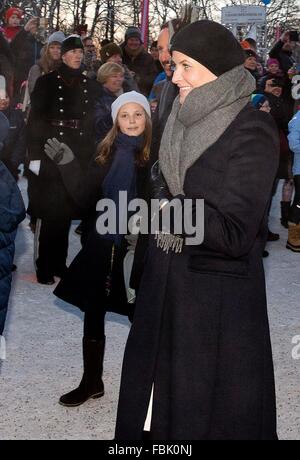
(57, 37)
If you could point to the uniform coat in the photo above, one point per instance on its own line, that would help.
(200, 330)
(59, 95)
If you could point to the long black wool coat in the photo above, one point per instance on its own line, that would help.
(59, 96)
(200, 331)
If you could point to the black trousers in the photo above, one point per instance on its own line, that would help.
(51, 245)
(94, 324)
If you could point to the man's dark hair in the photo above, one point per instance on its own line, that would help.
(85, 39)
(104, 42)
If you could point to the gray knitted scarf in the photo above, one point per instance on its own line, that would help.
(199, 122)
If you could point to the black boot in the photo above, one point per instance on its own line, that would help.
(285, 210)
(91, 385)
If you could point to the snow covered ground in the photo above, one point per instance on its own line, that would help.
(44, 351)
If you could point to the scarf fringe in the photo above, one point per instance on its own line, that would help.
(167, 241)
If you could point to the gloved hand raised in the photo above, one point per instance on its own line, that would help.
(58, 152)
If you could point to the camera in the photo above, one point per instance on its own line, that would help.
(43, 23)
(294, 36)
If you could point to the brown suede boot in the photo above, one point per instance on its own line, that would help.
(91, 385)
(293, 242)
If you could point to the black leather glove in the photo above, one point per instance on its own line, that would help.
(159, 187)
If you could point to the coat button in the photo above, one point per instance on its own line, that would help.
(81, 133)
(86, 101)
(61, 133)
(61, 110)
(85, 90)
(61, 98)
(84, 81)
(83, 113)
(60, 87)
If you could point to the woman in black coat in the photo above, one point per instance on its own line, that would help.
(198, 361)
(94, 281)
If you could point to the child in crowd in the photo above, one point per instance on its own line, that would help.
(95, 281)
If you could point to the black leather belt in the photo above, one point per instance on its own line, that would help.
(73, 124)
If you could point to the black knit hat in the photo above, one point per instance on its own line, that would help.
(133, 32)
(71, 43)
(110, 50)
(211, 44)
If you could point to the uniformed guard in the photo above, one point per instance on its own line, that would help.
(62, 107)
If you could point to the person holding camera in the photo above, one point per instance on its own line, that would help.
(24, 46)
(283, 49)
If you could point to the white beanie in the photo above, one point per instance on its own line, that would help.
(57, 37)
(125, 98)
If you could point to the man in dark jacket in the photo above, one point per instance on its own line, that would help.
(283, 50)
(12, 212)
(62, 106)
(6, 64)
(138, 60)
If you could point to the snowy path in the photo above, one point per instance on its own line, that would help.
(44, 352)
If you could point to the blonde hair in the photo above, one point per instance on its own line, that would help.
(46, 63)
(104, 148)
(107, 70)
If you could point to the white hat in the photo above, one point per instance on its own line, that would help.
(125, 98)
(57, 37)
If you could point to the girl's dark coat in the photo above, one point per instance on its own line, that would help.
(84, 284)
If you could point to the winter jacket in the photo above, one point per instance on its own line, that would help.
(60, 95)
(26, 51)
(103, 120)
(12, 212)
(84, 284)
(294, 141)
(284, 57)
(143, 65)
(14, 149)
(6, 64)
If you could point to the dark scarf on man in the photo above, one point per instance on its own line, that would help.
(200, 121)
